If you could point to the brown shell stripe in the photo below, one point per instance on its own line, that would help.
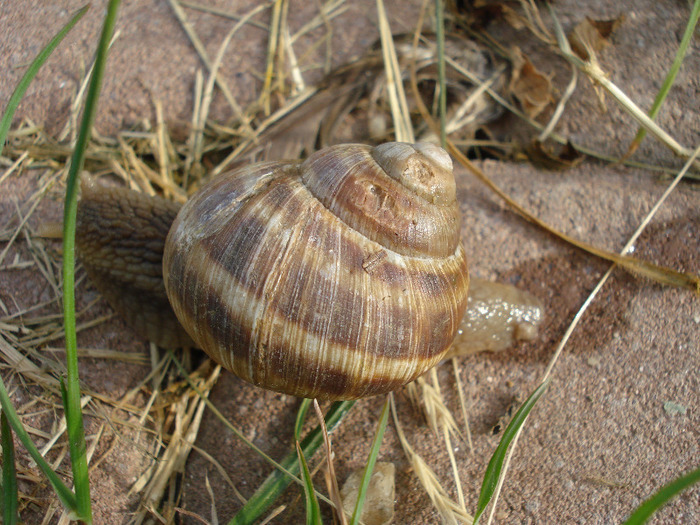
(376, 205)
(287, 321)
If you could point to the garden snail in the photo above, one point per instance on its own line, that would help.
(339, 277)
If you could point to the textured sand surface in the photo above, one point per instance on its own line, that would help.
(600, 441)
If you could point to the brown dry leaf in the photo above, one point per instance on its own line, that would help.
(531, 87)
(547, 157)
(379, 503)
(592, 35)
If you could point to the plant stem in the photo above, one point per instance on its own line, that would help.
(442, 90)
(277, 481)
(9, 475)
(31, 72)
(671, 76)
(74, 416)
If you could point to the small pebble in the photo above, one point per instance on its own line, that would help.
(594, 361)
(672, 408)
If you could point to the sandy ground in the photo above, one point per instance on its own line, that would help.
(600, 441)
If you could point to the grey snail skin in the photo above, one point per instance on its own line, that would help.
(339, 277)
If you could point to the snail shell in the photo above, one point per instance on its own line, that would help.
(339, 277)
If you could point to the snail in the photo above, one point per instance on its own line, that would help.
(339, 277)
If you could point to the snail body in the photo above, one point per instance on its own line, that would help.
(120, 237)
(339, 277)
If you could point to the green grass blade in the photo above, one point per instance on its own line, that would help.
(313, 511)
(31, 72)
(9, 416)
(277, 481)
(74, 416)
(369, 468)
(663, 496)
(301, 417)
(494, 470)
(673, 72)
(10, 496)
(256, 506)
(64, 493)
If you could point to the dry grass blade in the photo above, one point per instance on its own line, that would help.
(397, 98)
(465, 115)
(450, 511)
(627, 247)
(533, 20)
(276, 512)
(295, 71)
(187, 411)
(22, 223)
(331, 478)
(447, 425)
(592, 68)
(208, 93)
(25, 366)
(594, 71)
(52, 333)
(455, 470)
(210, 491)
(193, 515)
(163, 148)
(536, 125)
(71, 125)
(57, 433)
(105, 353)
(327, 12)
(559, 111)
(436, 412)
(197, 43)
(247, 142)
(195, 132)
(462, 403)
(579, 315)
(274, 32)
(221, 12)
(9, 171)
(222, 472)
(670, 76)
(635, 266)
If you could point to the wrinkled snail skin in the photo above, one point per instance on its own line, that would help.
(266, 274)
(294, 286)
(120, 236)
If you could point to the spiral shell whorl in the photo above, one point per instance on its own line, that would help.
(400, 195)
(288, 297)
(423, 168)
